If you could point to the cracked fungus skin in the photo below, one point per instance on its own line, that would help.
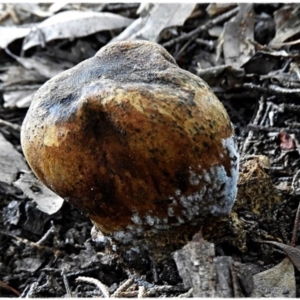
(133, 141)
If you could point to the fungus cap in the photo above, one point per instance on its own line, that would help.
(133, 141)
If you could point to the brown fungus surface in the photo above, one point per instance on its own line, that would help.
(133, 141)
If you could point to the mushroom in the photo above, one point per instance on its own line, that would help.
(139, 145)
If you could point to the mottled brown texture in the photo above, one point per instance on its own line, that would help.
(121, 132)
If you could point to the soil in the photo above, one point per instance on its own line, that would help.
(43, 255)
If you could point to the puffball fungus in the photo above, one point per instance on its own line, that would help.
(133, 141)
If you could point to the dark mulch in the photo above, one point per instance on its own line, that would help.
(42, 255)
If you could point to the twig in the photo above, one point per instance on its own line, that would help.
(266, 115)
(179, 53)
(8, 287)
(295, 68)
(221, 93)
(284, 179)
(142, 292)
(251, 86)
(209, 44)
(292, 124)
(38, 282)
(81, 272)
(5, 88)
(286, 44)
(131, 294)
(188, 294)
(146, 284)
(296, 183)
(47, 234)
(278, 158)
(123, 287)
(288, 107)
(66, 283)
(295, 229)
(32, 291)
(13, 126)
(296, 191)
(56, 252)
(164, 288)
(278, 54)
(103, 288)
(4, 16)
(201, 28)
(51, 270)
(121, 6)
(281, 90)
(25, 291)
(272, 88)
(237, 293)
(256, 120)
(11, 11)
(272, 129)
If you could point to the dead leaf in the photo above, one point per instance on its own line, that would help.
(292, 252)
(287, 23)
(64, 25)
(260, 64)
(263, 161)
(17, 75)
(43, 65)
(154, 19)
(283, 186)
(213, 75)
(56, 6)
(216, 31)
(214, 9)
(11, 33)
(32, 8)
(72, 24)
(29, 264)
(237, 48)
(278, 281)
(11, 161)
(12, 213)
(47, 201)
(19, 99)
(211, 276)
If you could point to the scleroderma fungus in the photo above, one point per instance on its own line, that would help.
(134, 142)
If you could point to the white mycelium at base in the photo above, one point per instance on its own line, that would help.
(216, 196)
